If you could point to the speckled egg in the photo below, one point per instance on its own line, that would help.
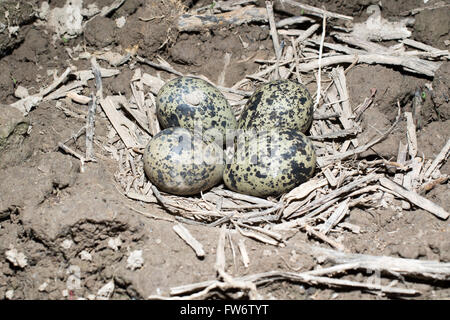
(278, 104)
(270, 163)
(181, 163)
(192, 103)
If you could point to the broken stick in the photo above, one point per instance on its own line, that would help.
(440, 157)
(274, 35)
(415, 198)
(239, 16)
(184, 234)
(314, 11)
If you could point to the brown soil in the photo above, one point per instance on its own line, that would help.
(50, 201)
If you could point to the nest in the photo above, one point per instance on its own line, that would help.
(341, 181)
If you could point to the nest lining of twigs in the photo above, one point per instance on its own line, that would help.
(341, 180)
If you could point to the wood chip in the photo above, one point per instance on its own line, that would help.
(184, 234)
(77, 97)
(313, 10)
(435, 52)
(443, 154)
(86, 75)
(154, 83)
(350, 226)
(336, 134)
(330, 177)
(325, 200)
(307, 33)
(430, 185)
(137, 115)
(240, 196)
(119, 122)
(274, 35)
(257, 236)
(220, 252)
(243, 251)
(147, 198)
(305, 189)
(340, 82)
(415, 198)
(420, 66)
(239, 16)
(26, 104)
(293, 20)
(336, 217)
(411, 135)
(63, 90)
(344, 155)
(377, 28)
(323, 237)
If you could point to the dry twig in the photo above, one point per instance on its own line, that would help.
(315, 11)
(415, 198)
(187, 237)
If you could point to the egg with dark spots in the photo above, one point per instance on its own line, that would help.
(270, 163)
(195, 104)
(278, 104)
(178, 162)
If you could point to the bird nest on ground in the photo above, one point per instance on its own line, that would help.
(341, 180)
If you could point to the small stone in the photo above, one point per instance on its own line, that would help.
(21, 92)
(43, 10)
(406, 205)
(84, 55)
(106, 291)
(66, 244)
(120, 22)
(65, 293)
(135, 260)
(445, 251)
(436, 174)
(13, 126)
(67, 20)
(115, 243)
(9, 294)
(85, 256)
(408, 251)
(18, 259)
(294, 256)
(13, 30)
(91, 10)
(43, 287)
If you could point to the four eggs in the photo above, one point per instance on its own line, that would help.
(270, 153)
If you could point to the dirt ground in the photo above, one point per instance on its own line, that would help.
(55, 214)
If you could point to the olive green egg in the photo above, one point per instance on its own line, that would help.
(270, 163)
(178, 162)
(194, 104)
(278, 104)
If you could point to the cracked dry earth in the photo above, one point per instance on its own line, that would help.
(75, 233)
